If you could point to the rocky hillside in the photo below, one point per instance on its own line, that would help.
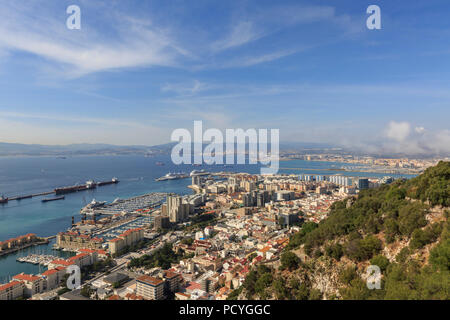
(402, 228)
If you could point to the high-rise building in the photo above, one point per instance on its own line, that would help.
(173, 208)
(150, 288)
(363, 183)
(161, 222)
(248, 185)
(247, 199)
(260, 199)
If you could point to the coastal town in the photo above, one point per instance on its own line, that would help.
(194, 247)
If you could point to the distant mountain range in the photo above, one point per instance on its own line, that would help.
(286, 148)
(16, 149)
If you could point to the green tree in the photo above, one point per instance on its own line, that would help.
(380, 261)
(289, 260)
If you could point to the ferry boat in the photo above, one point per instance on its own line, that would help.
(172, 176)
(198, 173)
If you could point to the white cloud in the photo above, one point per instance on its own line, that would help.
(242, 33)
(135, 43)
(186, 89)
(419, 130)
(120, 40)
(398, 131)
(257, 59)
(418, 142)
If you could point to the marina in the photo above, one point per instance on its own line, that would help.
(132, 205)
(115, 231)
(38, 259)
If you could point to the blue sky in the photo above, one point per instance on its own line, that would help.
(139, 69)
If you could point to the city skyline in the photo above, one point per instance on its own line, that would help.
(136, 71)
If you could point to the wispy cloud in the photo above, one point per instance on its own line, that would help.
(242, 33)
(252, 60)
(118, 41)
(186, 89)
(135, 44)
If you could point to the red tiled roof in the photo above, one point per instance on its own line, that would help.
(9, 285)
(87, 250)
(50, 272)
(61, 262)
(26, 277)
(132, 296)
(150, 280)
(193, 286)
(170, 274)
(78, 256)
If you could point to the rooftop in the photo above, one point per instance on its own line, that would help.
(150, 280)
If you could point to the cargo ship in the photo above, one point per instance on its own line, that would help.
(70, 189)
(3, 199)
(112, 181)
(53, 199)
(91, 184)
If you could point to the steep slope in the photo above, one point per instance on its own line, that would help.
(402, 228)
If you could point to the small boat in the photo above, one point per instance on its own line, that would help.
(53, 199)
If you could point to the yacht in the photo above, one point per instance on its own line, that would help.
(93, 205)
